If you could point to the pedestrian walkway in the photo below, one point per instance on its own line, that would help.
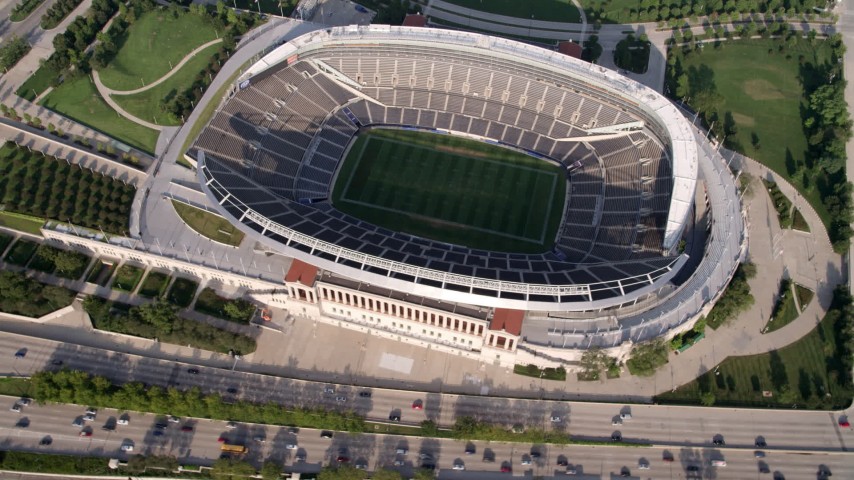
(105, 94)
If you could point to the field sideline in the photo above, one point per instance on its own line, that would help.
(453, 190)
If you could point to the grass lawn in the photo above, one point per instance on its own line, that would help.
(15, 387)
(182, 292)
(785, 311)
(21, 223)
(151, 44)
(146, 105)
(545, 373)
(453, 190)
(212, 304)
(764, 94)
(78, 99)
(549, 10)
(801, 373)
(799, 222)
(38, 82)
(804, 295)
(101, 273)
(205, 223)
(21, 252)
(154, 284)
(612, 11)
(5, 240)
(127, 278)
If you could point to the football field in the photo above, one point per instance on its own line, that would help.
(452, 189)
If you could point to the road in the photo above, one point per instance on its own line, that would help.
(692, 427)
(200, 446)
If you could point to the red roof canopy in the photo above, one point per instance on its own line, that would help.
(415, 20)
(508, 320)
(301, 272)
(569, 48)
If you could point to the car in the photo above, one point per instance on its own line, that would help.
(506, 469)
(459, 465)
(365, 394)
(562, 462)
(763, 468)
(25, 401)
(173, 419)
(291, 446)
(394, 418)
(340, 399)
(470, 449)
(760, 444)
(231, 425)
(616, 437)
(643, 465)
(193, 371)
(425, 456)
(719, 442)
(88, 418)
(843, 422)
(418, 405)
(343, 459)
(526, 460)
(78, 422)
(556, 419)
(222, 439)
(361, 465)
(157, 433)
(625, 473)
(692, 468)
(326, 434)
(23, 423)
(45, 441)
(718, 463)
(91, 411)
(616, 422)
(186, 428)
(401, 451)
(85, 433)
(300, 457)
(123, 421)
(428, 465)
(259, 439)
(293, 430)
(328, 390)
(571, 470)
(21, 353)
(16, 408)
(625, 416)
(127, 447)
(759, 454)
(535, 453)
(110, 426)
(161, 426)
(57, 363)
(399, 462)
(231, 390)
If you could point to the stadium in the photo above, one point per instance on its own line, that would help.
(538, 196)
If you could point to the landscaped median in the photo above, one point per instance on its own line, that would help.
(208, 224)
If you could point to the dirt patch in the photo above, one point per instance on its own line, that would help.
(761, 89)
(743, 120)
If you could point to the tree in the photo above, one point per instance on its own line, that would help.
(13, 50)
(707, 399)
(342, 472)
(160, 314)
(647, 357)
(385, 474)
(271, 470)
(231, 468)
(429, 428)
(68, 262)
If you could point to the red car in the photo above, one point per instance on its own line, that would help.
(343, 459)
(505, 469)
(186, 428)
(222, 439)
(418, 405)
(844, 423)
(85, 433)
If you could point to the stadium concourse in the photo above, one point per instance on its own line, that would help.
(615, 274)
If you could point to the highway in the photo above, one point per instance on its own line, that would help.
(662, 425)
(200, 446)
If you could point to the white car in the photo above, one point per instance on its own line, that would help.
(174, 419)
(643, 465)
(617, 421)
(291, 446)
(231, 425)
(526, 460)
(25, 401)
(556, 419)
(625, 416)
(127, 447)
(340, 399)
(89, 417)
(328, 390)
(123, 421)
(16, 408)
(459, 466)
(91, 411)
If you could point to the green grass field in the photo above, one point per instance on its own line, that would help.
(209, 225)
(21, 222)
(549, 10)
(146, 105)
(155, 40)
(36, 84)
(764, 94)
(452, 190)
(78, 99)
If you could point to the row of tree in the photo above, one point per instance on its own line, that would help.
(69, 56)
(663, 10)
(43, 186)
(24, 296)
(57, 12)
(12, 51)
(160, 320)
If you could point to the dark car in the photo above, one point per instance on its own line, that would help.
(186, 428)
(562, 462)
(535, 453)
(56, 362)
(470, 449)
(45, 441)
(343, 459)
(193, 371)
(157, 433)
(21, 353)
(719, 442)
(365, 394)
(760, 443)
(616, 437)
(326, 434)
(231, 390)
(394, 418)
(161, 425)
(693, 468)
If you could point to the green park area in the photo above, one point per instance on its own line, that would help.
(181, 292)
(78, 99)
(771, 100)
(208, 224)
(548, 10)
(152, 45)
(813, 372)
(25, 296)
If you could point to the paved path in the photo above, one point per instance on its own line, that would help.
(165, 77)
(105, 94)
